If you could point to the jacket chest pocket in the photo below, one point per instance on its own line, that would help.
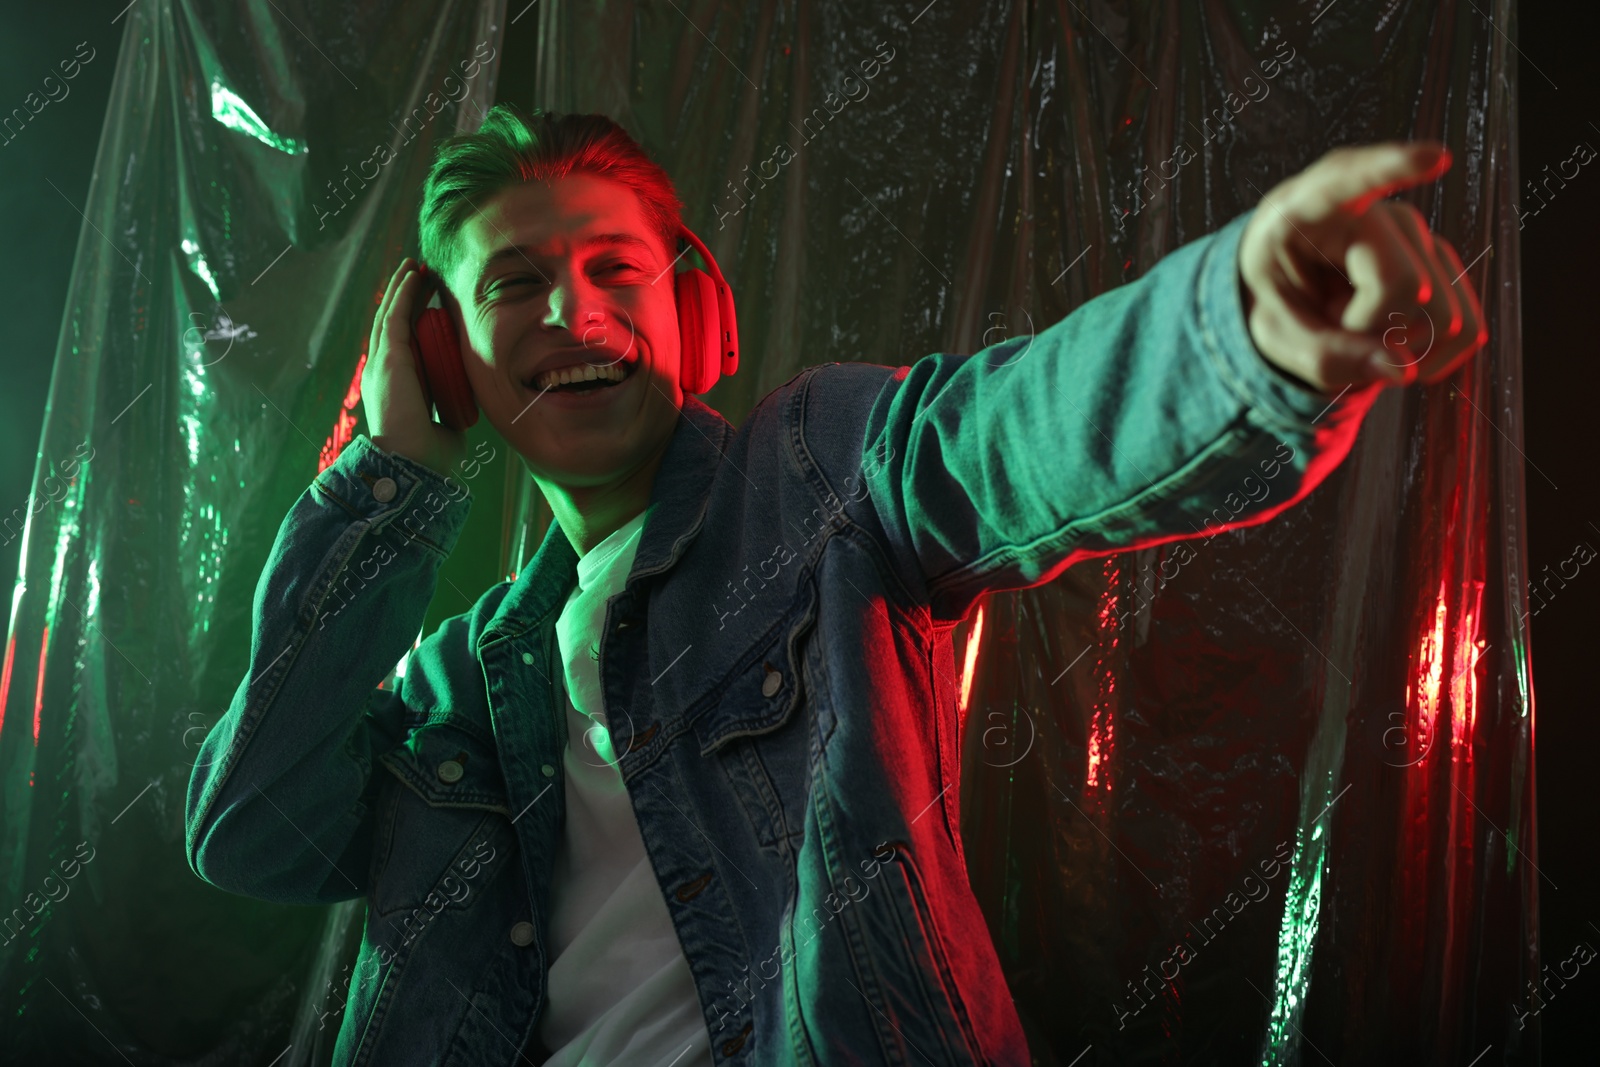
(444, 827)
(760, 726)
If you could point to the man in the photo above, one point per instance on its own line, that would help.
(685, 789)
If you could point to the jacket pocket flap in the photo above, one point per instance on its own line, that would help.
(450, 765)
(761, 692)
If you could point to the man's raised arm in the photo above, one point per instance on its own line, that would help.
(1225, 383)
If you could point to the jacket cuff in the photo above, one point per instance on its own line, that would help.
(383, 488)
(1225, 337)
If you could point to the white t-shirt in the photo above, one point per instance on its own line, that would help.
(620, 994)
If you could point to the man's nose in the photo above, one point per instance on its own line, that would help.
(571, 306)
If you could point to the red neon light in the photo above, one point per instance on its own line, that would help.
(1430, 673)
(5, 679)
(1102, 723)
(1463, 673)
(38, 693)
(969, 661)
(345, 425)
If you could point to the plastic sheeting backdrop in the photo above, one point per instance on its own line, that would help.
(1264, 794)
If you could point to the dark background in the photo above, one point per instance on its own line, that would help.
(1557, 109)
(44, 180)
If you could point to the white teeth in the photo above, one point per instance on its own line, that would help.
(587, 372)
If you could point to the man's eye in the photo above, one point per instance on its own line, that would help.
(616, 267)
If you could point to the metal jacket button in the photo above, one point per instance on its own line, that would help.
(527, 657)
(547, 770)
(522, 934)
(770, 683)
(450, 771)
(383, 490)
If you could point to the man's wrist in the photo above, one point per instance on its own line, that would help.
(1295, 379)
(1223, 304)
(394, 448)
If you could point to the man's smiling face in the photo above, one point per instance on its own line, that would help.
(563, 276)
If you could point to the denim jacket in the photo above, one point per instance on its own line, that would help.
(777, 674)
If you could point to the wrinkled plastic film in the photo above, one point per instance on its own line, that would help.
(1321, 726)
(256, 184)
(1301, 753)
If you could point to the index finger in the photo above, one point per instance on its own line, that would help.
(1353, 178)
(400, 317)
(383, 307)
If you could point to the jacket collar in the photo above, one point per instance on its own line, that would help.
(678, 501)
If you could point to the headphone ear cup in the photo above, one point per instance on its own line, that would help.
(699, 344)
(441, 370)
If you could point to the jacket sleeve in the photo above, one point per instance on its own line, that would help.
(281, 799)
(1147, 415)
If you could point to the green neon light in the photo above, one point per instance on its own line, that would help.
(201, 268)
(228, 108)
(1302, 910)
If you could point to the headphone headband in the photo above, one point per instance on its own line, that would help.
(705, 254)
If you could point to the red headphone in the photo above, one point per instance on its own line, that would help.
(708, 342)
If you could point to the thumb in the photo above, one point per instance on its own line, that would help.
(1355, 177)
